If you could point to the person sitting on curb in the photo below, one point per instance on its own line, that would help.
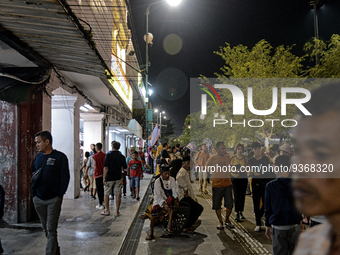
(187, 195)
(165, 197)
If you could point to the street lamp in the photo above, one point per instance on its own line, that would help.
(156, 111)
(315, 4)
(160, 123)
(148, 40)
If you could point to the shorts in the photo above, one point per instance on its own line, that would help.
(219, 193)
(92, 182)
(134, 182)
(115, 185)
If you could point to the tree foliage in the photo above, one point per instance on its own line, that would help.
(260, 61)
(329, 57)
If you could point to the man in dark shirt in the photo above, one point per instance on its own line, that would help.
(49, 192)
(165, 154)
(114, 164)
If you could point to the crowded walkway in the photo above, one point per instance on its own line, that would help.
(83, 230)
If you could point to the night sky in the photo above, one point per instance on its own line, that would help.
(202, 26)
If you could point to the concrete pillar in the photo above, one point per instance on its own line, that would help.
(65, 133)
(46, 112)
(93, 129)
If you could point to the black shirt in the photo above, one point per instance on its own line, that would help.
(165, 154)
(55, 175)
(115, 161)
(265, 177)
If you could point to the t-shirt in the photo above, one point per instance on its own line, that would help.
(55, 175)
(135, 168)
(165, 154)
(99, 158)
(204, 156)
(219, 178)
(91, 164)
(264, 178)
(234, 161)
(115, 161)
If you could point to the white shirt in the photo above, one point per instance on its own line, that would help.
(159, 194)
(183, 182)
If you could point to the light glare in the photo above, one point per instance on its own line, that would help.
(174, 2)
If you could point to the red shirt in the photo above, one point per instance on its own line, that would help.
(135, 168)
(99, 157)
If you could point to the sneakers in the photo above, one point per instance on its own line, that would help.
(138, 198)
(241, 216)
(101, 207)
(220, 227)
(229, 225)
(238, 217)
(257, 229)
(93, 197)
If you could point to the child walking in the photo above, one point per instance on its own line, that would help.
(135, 174)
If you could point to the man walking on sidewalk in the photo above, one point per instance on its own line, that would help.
(49, 191)
(221, 184)
(99, 158)
(114, 163)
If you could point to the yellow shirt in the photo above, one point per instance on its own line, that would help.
(219, 177)
(235, 161)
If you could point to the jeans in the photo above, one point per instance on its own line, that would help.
(49, 212)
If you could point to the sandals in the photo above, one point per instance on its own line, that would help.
(189, 230)
(170, 231)
(150, 237)
(143, 216)
(105, 213)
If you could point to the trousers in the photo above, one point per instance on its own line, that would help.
(239, 188)
(100, 189)
(195, 210)
(49, 212)
(284, 241)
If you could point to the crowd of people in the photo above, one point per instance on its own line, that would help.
(104, 176)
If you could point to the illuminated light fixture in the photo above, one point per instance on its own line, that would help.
(164, 117)
(174, 2)
(82, 108)
(150, 92)
(89, 107)
(156, 110)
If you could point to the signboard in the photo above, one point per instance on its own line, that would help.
(120, 83)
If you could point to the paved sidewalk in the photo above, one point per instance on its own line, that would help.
(207, 239)
(82, 230)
